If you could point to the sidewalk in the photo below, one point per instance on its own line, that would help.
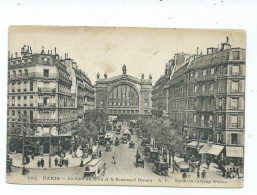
(73, 161)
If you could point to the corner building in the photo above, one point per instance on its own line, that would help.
(124, 94)
(39, 88)
(206, 103)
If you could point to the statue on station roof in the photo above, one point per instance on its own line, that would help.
(124, 69)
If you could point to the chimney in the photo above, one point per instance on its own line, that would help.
(9, 54)
(48, 51)
(51, 52)
(30, 50)
(197, 50)
(55, 51)
(16, 55)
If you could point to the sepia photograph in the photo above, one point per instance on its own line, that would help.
(126, 106)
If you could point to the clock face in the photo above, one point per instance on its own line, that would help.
(45, 59)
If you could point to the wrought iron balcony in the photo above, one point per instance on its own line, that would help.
(51, 106)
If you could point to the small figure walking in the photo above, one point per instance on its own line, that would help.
(38, 163)
(198, 173)
(184, 175)
(81, 163)
(113, 160)
(208, 164)
(67, 162)
(42, 162)
(56, 161)
(100, 153)
(24, 170)
(203, 174)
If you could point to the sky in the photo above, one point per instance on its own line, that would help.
(106, 49)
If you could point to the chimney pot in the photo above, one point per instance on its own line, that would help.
(55, 50)
(16, 54)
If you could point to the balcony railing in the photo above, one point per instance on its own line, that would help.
(46, 90)
(47, 106)
(45, 121)
(41, 76)
(203, 108)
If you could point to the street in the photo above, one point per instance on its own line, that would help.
(124, 166)
(125, 160)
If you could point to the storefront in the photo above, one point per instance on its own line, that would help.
(216, 153)
(234, 155)
(203, 152)
(194, 147)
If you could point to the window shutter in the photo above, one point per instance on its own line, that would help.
(217, 103)
(240, 141)
(230, 86)
(241, 103)
(241, 120)
(228, 138)
(240, 86)
(229, 103)
(229, 121)
(230, 69)
(223, 103)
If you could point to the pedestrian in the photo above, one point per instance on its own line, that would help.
(203, 174)
(32, 155)
(198, 173)
(24, 170)
(67, 162)
(100, 153)
(208, 164)
(42, 162)
(184, 175)
(56, 161)
(38, 163)
(113, 160)
(227, 174)
(81, 163)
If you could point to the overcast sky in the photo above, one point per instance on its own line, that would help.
(143, 50)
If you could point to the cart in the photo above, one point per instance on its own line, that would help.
(131, 144)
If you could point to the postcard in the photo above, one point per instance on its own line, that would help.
(126, 106)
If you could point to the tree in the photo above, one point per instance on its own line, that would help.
(18, 134)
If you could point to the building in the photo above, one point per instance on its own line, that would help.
(82, 90)
(124, 94)
(159, 93)
(41, 94)
(206, 103)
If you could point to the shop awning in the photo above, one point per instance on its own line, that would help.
(234, 151)
(195, 144)
(205, 149)
(215, 150)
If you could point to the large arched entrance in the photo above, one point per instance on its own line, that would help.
(123, 99)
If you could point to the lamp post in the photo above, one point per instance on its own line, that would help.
(24, 121)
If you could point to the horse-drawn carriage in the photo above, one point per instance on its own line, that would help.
(145, 141)
(139, 161)
(154, 156)
(127, 134)
(147, 149)
(124, 139)
(161, 168)
(131, 144)
(117, 141)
